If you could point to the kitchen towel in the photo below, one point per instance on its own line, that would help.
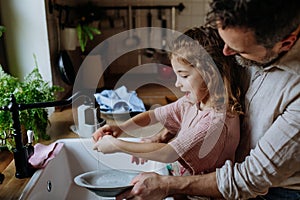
(44, 153)
(119, 100)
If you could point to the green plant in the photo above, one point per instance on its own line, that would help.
(82, 18)
(86, 15)
(32, 89)
(2, 30)
(86, 32)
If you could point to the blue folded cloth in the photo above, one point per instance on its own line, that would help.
(119, 101)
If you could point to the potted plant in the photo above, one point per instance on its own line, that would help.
(87, 15)
(83, 19)
(85, 32)
(32, 89)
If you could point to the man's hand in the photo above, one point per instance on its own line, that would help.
(147, 186)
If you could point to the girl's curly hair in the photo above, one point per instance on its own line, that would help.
(202, 48)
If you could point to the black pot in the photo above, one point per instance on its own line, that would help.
(65, 67)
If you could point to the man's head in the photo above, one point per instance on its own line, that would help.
(258, 30)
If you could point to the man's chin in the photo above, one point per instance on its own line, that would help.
(248, 63)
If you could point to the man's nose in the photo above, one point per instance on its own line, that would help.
(227, 51)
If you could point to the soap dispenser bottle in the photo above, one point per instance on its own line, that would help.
(87, 120)
(28, 147)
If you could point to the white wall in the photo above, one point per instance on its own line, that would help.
(26, 35)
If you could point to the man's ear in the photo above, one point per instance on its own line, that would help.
(288, 42)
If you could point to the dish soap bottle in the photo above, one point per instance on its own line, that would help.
(28, 147)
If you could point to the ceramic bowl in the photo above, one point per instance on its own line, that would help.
(106, 183)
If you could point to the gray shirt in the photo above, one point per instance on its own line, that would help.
(270, 130)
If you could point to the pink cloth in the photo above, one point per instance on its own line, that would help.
(44, 153)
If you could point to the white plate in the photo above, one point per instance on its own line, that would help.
(106, 183)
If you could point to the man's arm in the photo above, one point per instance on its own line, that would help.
(201, 185)
(273, 162)
(149, 186)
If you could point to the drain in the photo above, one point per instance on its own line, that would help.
(49, 186)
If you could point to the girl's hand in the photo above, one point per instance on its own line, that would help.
(138, 160)
(106, 145)
(106, 130)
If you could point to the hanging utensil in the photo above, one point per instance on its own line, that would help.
(173, 18)
(118, 20)
(164, 31)
(65, 66)
(132, 39)
(149, 52)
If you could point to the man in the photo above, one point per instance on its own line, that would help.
(263, 34)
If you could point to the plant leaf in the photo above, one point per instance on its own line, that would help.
(2, 30)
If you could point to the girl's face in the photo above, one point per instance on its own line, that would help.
(189, 80)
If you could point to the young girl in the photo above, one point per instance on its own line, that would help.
(203, 124)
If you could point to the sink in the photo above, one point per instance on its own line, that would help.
(56, 180)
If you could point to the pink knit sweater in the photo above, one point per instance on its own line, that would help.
(203, 142)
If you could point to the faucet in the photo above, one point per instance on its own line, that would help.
(23, 167)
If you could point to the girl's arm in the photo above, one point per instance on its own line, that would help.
(164, 136)
(160, 152)
(141, 120)
(138, 121)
